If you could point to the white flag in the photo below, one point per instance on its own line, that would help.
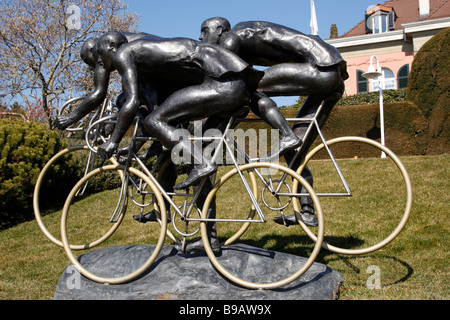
(313, 24)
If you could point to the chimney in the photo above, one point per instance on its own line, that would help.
(424, 8)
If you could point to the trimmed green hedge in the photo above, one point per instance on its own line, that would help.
(406, 129)
(363, 98)
(373, 97)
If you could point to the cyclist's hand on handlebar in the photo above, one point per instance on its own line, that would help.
(107, 149)
(62, 122)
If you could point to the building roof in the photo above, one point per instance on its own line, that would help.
(406, 11)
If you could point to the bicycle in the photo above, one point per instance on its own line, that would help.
(185, 211)
(323, 150)
(85, 156)
(395, 176)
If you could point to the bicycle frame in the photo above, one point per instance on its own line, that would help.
(195, 196)
(313, 123)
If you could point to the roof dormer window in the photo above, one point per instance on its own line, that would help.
(379, 23)
(380, 19)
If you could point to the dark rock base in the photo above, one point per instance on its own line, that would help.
(174, 276)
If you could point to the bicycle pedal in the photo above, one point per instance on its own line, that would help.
(286, 221)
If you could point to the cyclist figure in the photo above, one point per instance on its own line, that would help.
(298, 64)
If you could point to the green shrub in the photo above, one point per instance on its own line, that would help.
(429, 87)
(406, 129)
(429, 78)
(25, 147)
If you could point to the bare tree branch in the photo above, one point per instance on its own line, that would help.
(40, 52)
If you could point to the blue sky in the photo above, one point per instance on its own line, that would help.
(182, 18)
(171, 18)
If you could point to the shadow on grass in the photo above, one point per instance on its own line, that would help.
(303, 246)
(300, 245)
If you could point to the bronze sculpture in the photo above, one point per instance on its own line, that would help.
(180, 80)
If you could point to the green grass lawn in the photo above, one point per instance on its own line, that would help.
(414, 266)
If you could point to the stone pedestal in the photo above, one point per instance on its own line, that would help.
(175, 276)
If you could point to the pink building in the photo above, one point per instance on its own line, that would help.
(393, 31)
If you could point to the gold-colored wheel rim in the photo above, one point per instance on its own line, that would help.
(404, 177)
(271, 285)
(158, 246)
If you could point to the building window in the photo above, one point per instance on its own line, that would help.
(386, 80)
(402, 77)
(362, 83)
(380, 21)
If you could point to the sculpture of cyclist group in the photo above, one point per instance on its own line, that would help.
(169, 81)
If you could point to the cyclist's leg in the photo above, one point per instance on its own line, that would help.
(193, 103)
(309, 110)
(197, 246)
(267, 110)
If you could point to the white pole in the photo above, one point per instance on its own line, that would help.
(383, 155)
(373, 73)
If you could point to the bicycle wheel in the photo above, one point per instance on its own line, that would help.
(378, 205)
(101, 203)
(73, 162)
(233, 204)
